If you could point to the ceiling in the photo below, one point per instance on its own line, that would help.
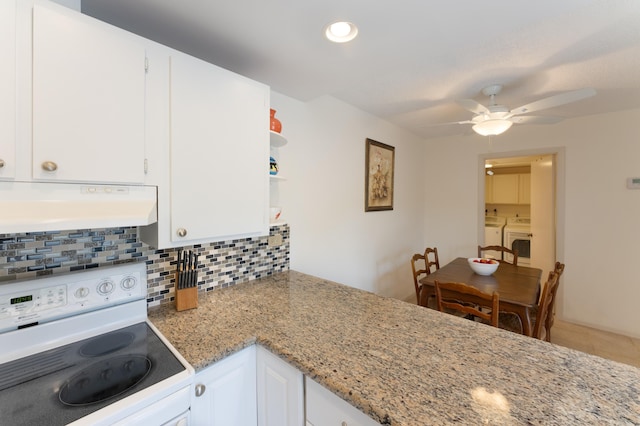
(412, 59)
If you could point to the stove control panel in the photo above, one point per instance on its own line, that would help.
(42, 299)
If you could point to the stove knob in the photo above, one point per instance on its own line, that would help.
(82, 292)
(128, 283)
(105, 287)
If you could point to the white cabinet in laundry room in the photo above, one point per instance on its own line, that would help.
(88, 99)
(217, 173)
(7, 89)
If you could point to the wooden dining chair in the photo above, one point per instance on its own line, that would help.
(431, 259)
(502, 249)
(544, 307)
(542, 320)
(468, 301)
(559, 269)
(419, 269)
(422, 265)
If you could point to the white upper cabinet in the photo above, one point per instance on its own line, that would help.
(508, 188)
(505, 189)
(7, 88)
(524, 188)
(88, 99)
(219, 140)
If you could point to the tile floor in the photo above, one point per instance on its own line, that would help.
(612, 346)
(596, 342)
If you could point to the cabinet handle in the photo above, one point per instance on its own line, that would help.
(182, 232)
(1, 163)
(49, 166)
(200, 388)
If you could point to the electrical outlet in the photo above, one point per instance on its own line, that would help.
(275, 240)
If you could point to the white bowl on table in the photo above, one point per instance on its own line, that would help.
(483, 266)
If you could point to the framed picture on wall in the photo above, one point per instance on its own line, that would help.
(379, 166)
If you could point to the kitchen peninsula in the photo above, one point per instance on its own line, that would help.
(400, 363)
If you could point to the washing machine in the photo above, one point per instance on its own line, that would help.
(493, 227)
(517, 235)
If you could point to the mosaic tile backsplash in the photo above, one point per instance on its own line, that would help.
(222, 264)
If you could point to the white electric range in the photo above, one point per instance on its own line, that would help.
(78, 349)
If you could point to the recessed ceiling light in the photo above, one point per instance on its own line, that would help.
(341, 32)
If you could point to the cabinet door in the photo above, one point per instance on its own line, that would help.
(524, 189)
(219, 153)
(488, 189)
(326, 409)
(505, 189)
(227, 392)
(88, 99)
(280, 391)
(7, 88)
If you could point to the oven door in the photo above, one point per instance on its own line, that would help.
(520, 241)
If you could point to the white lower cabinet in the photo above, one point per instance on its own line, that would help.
(324, 408)
(224, 394)
(280, 391)
(255, 387)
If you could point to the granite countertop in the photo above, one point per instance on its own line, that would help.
(403, 364)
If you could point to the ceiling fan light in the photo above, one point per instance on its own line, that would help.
(492, 127)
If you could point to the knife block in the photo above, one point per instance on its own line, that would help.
(186, 298)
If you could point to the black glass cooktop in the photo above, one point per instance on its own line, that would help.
(67, 383)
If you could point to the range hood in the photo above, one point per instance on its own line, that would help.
(44, 206)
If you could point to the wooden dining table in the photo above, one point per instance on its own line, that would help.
(518, 286)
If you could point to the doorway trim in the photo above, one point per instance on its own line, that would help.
(560, 201)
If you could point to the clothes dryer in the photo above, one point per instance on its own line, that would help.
(517, 236)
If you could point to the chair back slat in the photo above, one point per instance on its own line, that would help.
(470, 300)
(502, 249)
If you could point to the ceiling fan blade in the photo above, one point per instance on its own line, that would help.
(535, 119)
(448, 124)
(553, 101)
(473, 106)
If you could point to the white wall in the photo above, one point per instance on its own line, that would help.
(601, 230)
(437, 203)
(323, 197)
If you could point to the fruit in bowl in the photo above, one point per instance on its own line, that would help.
(483, 266)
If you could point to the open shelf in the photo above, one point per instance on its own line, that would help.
(277, 140)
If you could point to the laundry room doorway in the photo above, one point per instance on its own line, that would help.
(524, 190)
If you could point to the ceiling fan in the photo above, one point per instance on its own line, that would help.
(496, 119)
